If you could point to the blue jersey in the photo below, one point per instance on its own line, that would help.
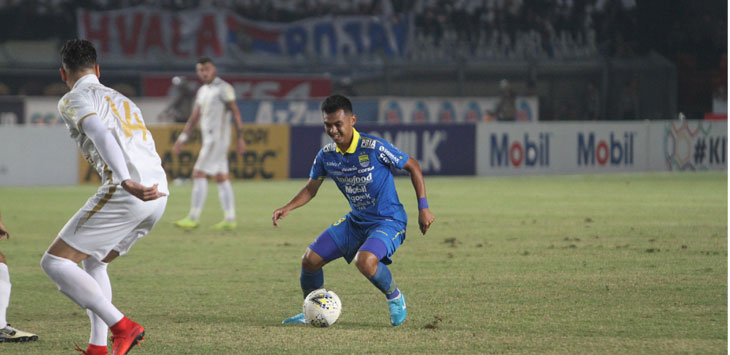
(363, 174)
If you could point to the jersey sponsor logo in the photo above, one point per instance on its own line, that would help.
(384, 158)
(390, 155)
(349, 168)
(351, 190)
(359, 198)
(333, 163)
(356, 180)
(368, 143)
(363, 204)
(364, 160)
(363, 171)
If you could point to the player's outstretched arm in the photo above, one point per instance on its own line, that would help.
(425, 217)
(183, 137)
(300, 199)
(240, 143)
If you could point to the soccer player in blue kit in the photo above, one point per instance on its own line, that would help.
(360, 165)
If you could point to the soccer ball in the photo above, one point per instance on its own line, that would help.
(322, 308)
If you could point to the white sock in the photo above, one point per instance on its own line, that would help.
(225, 195)
(97, 270)
(200, 191)
(4, 293)
(80, 287)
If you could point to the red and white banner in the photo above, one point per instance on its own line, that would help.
(253, 86)
(143, 36)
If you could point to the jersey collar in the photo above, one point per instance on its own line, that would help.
(214, 81)
(88, 78)
(353, 144)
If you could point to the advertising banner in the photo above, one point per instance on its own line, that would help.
(395, 110)
(251, 86)
(12, 111)
(598, 147)
(561, 148)
(42, 111)
(691, 145)
(440, 149)
(266, 156)
(145, 35)
(301, 112)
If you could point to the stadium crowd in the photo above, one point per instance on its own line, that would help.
(483, 28)
(691, 35)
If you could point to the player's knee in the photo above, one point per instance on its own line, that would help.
(367, 263)
(2, 259)
(221, 178)
(47, 263)
(309, 263)
(312, 261)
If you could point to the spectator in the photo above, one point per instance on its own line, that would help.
(506, 109)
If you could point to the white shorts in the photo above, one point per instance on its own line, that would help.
(112, 219)
(213, 158)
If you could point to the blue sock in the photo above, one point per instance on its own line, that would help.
(311, 280)
(383, 280)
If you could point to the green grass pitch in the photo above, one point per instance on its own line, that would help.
(623, 264)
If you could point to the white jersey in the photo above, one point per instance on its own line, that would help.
(124, 120)
(215, 118)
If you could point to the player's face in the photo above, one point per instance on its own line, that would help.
(206, 72)
(338, 126)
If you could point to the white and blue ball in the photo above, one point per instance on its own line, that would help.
(322, 308)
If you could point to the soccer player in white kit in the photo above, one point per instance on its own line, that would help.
(214, 104)
(110, 132)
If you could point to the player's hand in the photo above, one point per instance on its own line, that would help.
(4, 232)
(279, 214)
(177, 148)
(240, 146)
(425, 218)
(142, 192)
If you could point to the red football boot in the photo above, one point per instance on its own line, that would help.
(125, 335)
(93, 350)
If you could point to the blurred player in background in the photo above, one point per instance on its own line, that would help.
(180, 99)
(8, 333)
(370, 233)
(214, 103)
(110, 131)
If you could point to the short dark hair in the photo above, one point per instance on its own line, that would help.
(334, 103)
(203, 60)
(77, 54)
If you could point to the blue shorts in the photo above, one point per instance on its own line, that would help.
(349, 234)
